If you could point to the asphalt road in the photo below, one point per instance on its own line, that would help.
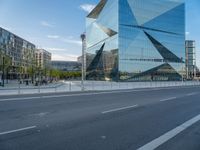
(162, 118)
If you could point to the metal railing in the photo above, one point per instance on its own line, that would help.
(72, 86)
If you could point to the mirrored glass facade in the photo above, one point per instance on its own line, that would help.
(136, 40)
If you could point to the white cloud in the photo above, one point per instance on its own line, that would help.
(46, 24)
(61, 54)
(72, 41)
(87, 7)
(176, 0)
(187, 33)
(53, 36)
(54, 49)
(64, 57)
(69, 39)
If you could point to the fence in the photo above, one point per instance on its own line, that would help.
(70, 86)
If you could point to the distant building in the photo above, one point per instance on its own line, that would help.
(198, 73)
(190, 59)
(20, 52)
(66, 65)
(79, 59)
(43, 58)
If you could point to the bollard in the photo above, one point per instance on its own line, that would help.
(39, 88)
(55, 89)
(92, 85)
(19, 89)
(70, 86)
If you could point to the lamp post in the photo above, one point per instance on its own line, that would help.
(183, 71)
(83, 38)
(32, 76)
(3, 74)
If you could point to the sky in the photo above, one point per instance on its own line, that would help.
(56, 25)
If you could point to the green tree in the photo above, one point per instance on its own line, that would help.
(5, 64)
(64, 74)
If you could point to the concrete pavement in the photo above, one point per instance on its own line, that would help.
(110, 120)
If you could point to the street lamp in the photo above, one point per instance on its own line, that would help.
(83, 38)
(3, 74)
(183, 71)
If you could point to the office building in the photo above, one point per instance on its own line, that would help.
(190, 59)
(19, 52)
(136, 40)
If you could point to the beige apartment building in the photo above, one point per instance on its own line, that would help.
(43, 58)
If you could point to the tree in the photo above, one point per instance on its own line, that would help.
(58, 74)
(5, 64)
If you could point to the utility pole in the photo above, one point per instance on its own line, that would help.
(83, 38)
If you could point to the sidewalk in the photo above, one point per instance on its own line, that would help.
(14, 88)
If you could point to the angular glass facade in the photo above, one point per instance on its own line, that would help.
(136, 40)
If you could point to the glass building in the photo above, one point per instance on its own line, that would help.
(70, 66)
(136, 40)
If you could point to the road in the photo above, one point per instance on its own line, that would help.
(144, 119)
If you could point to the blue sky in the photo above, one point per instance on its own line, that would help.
(57, 24)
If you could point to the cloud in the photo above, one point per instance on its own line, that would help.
(72, 41)
(187, 33)
(176, 0)
(46, 24)
(64, 57)
(69, 39)
(61, 54)
(54, 49)
(53, 36)
(87, 7)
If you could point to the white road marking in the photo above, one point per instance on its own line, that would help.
(168, 99)
(191, 94)
(119, 109)
(20, 98)
(17, 130)
(169, 135)
(98, 93)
